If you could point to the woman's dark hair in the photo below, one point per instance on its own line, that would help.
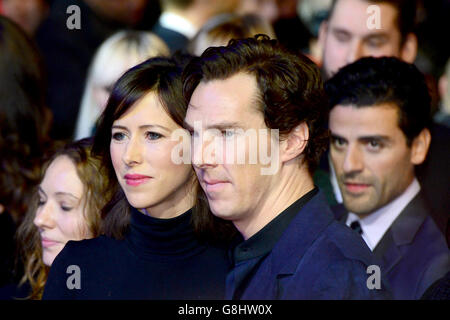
(290, 86)
(24, 118)
(162, 76)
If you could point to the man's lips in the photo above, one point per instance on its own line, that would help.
(214, 185)
(356, 187)
(136, 179)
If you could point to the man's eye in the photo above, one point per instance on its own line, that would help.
(338, 142)
(227, 133)
(375, 42)
(375, 145)
(152, 135)
(118, 136)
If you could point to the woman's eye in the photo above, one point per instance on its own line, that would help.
(66, 208)
(118, 136)
(41, 202)
(152, 135)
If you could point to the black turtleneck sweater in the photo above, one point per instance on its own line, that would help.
(157, 259)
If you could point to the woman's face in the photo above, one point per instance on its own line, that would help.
(141, 149)
(60, 215)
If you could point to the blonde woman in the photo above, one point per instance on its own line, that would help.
(117, 54)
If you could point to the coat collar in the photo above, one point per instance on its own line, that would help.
(304, 229)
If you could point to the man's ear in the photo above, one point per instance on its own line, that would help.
(408, 51)
(295, 143)
(419, 147)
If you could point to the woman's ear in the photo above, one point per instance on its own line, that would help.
(419, 147)
(295, 143)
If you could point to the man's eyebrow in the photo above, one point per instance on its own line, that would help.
(376, 36)
(339, 30)
(219, 126)
(336, 136)
(374, 137)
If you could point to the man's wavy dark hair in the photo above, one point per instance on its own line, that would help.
(290, 86)
(387, 80)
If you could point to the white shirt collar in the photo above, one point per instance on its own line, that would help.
(375, 225)
(177, 23)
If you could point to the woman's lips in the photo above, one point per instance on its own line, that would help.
(46, 243)
(136, 179)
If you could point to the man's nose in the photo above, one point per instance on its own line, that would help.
(355, 52)
(204, 151)
(354, 160)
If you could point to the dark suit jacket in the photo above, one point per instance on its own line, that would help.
(316, 258)
(174, 40)
(413, 251)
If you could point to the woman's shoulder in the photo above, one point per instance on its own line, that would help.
(87, 248)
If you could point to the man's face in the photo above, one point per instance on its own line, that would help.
(372, 161)
(347, 36)
(219, 109)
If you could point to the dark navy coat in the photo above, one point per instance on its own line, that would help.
(317, 257)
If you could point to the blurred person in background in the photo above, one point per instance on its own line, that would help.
(68, 52)
(66, 206)
(312, 13)
(24, 124)
(443, 114)
(221, 29)
(116, 55)
(180, 20)
(28, 14)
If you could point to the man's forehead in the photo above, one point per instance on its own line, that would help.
(368, 119)
(355, 14)
(228, 99)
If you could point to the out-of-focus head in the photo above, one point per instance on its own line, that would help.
(267, 9)
(24, 118)
(129, 12)
(360, 28)
(380, 110)
(444, 89)
(219, 30)
(116, 55)
(28, 14)
(208, 7)
(241, 91)
(134, 136)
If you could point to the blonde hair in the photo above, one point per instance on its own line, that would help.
(118, 53)
(221, 29)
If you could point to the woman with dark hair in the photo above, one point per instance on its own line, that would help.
(24, 126)
(65, 206)
(158, 241)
